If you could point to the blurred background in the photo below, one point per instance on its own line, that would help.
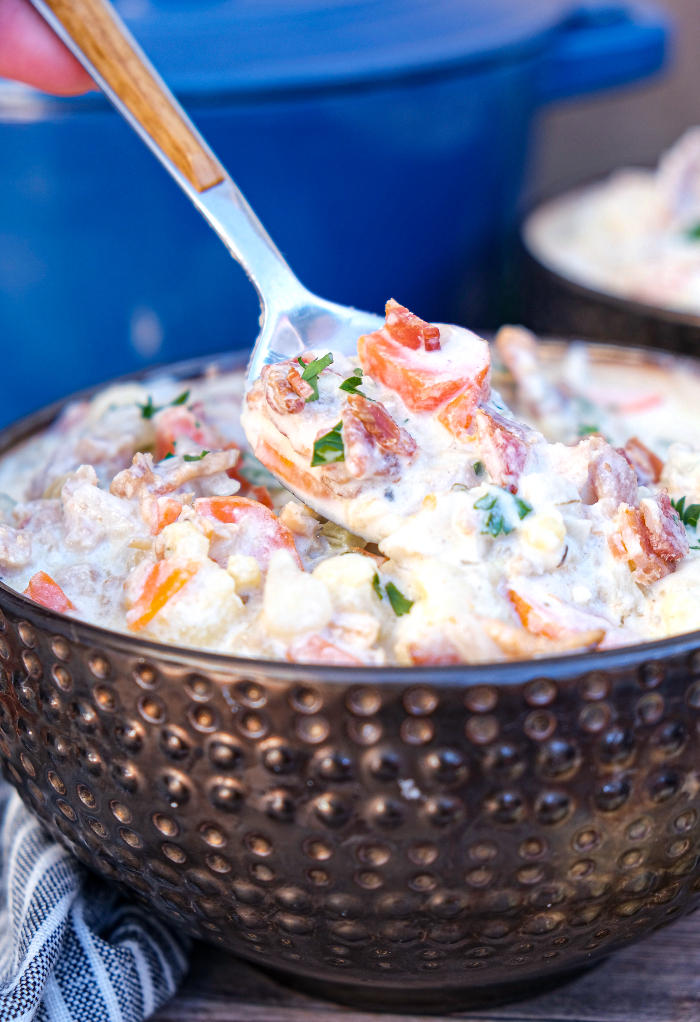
(390, 147)
(630, 126)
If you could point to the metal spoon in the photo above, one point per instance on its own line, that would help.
(292, 318)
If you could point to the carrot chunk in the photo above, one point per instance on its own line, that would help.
(167, 512)
(424, 376)
(42, 589)
(298, 479)
(163, 581)
(261, 531)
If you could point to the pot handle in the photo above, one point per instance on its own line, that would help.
(602, 45)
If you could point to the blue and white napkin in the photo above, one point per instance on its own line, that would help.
(72, 948)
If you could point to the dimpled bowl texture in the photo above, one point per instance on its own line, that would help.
(402, 832)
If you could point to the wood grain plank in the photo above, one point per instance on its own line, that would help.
(657, 980)
(91, 25)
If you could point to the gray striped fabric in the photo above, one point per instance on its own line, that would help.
(72, 948)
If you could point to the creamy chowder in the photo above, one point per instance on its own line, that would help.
(445, 531)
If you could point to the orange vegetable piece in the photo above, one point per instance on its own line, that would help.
(424, 377)
(162, 582)
(458, 415)
(533, 620)
(173, 423)
(264, 534)
(42, 589)
(300, 480)
(167, 512)
(312, 649)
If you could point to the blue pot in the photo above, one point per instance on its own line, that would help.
(382, 143)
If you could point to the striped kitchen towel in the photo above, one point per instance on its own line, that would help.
(72, 948)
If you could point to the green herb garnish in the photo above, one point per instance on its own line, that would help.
(478, 467)
(688, 515)
(377, 588)
(149, 409)
(312, 372)
(168, 455)
(399, 604)
(329, 448)
(587, 430)
(693, 233)
(195, 457)
(496, 520)
(351, 385)
(523, 507)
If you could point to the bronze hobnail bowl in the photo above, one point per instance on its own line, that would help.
(397, 834)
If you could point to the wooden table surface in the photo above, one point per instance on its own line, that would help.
(657, 980)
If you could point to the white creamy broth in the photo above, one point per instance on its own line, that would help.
(465, 535)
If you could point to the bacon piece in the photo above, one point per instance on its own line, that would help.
(163, 581)
(667, 533)
(381, 427)
(285, 391)
(433, 651)
(313, 649)
(504, 448)
(261, 533)
(651, 538)
(409, 330)
(173, 423)
(644, 462)
(373, 441)
(378, 559)
(612, 477)
(426, 379)
(42, 589)
(170, 475)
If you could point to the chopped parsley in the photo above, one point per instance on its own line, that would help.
(149, 409)
(399, 604)
(329, 448)
(523, 507)
(584, 430)
(351, 385)
(377, 588)
(168, 455)
(693, 233)
(311, 373)
(688, 515)
(496, 521)
(478, 467)
(195, 457)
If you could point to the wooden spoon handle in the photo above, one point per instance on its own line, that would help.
(97, 32)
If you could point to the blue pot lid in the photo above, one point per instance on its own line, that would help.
(204, 46)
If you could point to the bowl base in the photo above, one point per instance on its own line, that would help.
(426, 1000)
